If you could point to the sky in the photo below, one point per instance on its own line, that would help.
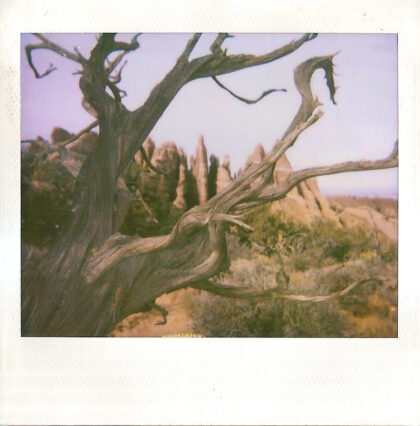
(363, 124)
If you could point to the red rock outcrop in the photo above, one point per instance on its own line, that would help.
(59, 135)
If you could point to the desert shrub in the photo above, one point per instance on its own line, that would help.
(301, 262)
(390, 253)
(274, 234)
(47, 205)
(221, 317)
(138, 221)
(269, 229)
(339, 243)
(215, 316)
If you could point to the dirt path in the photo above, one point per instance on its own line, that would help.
(179, 322)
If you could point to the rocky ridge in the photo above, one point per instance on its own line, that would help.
(189, 182)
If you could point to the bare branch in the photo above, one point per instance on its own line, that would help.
(117, 79)
(216, 64)
(190, 46)
(248, 101)
(241, 192)
(51, 68)
(271, 293)
(113, 64)
(116, 91)
(107, 44)
(303, 74)
(77, 135)
(78, 53)
(185, 71)
(149, 163)
(216, 46)
(278, 192)
(232, 219)
(49, 45)
(146, 206)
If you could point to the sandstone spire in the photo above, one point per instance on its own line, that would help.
(166, 158)
(182, 187)
(224, 177)
(256, 157)
(199, 169)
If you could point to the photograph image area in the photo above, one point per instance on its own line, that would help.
(209, 185)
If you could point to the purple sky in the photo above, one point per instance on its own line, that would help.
(362, 126)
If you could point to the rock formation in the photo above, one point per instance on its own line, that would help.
(59, 135)
(199, 169)
(223, 178)
(166, 158)
(185, 185)
(84, 145)
(182, 186)
(256, 157)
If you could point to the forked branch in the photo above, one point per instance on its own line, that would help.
(217, 64)
(114, 63)
(49, 45)
(277, 192)
(271, 293)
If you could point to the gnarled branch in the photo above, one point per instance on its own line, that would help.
(216, 64)
(114, 63)
(216, 46)
(270, 293)
(119, 247)
(277, 192)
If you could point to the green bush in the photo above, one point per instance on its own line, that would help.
(320, 240)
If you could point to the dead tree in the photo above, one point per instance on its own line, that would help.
(93, 277)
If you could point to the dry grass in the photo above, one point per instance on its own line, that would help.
(368, 311)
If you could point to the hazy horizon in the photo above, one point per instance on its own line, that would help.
(363, 124)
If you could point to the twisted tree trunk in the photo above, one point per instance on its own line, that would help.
(93, 277)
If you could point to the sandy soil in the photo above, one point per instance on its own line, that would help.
(179, 323)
